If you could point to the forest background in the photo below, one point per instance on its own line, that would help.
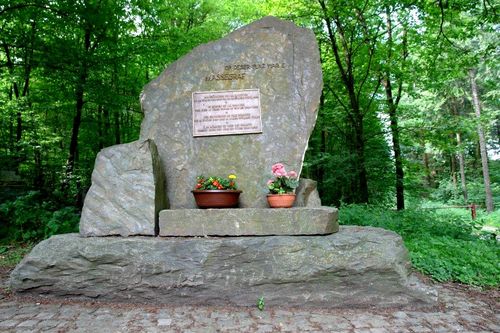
(408, 123)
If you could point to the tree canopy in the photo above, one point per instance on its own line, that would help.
(399, 120)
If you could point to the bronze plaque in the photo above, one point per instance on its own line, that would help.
(226, 112)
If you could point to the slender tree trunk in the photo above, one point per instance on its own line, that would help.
(460, 155)
(344, 61)
(38, 180)
(396, 146)
(320, 173)
(482, 142)
(392, 105)
(79, 98)
(14, 91)
(453, 171)
(461, 163)
(99, 127)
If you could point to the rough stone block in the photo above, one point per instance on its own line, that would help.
(358, 266)
(307, 194)
(127, 192)
(248, 222)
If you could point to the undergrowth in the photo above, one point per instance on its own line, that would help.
(445, 244)
(33, 217)
(12, 254)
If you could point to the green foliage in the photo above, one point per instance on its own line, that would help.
(260, 303)
(443, 243)
(13, 253)
(31, 217)
(282, 185)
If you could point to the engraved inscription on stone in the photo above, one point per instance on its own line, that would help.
(226, 112)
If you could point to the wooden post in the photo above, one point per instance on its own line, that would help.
(473, 211)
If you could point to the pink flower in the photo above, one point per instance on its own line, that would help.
(292, 174)
(280, 173)
(269, 182)
(277, 166)
(279, 170)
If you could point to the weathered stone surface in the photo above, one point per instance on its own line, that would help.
(283, 62)
(248, 222)
(307, 194)
(127, 192)
(355, 267)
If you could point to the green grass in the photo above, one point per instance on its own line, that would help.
(445, 244)
(12, 254)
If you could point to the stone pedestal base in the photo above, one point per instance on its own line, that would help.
(359, 267)
(248, 221)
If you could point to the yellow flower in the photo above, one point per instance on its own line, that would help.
(231, 176)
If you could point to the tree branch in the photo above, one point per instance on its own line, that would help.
(337, 98)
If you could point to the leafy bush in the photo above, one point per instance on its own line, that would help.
(445, 244)
(31, 217)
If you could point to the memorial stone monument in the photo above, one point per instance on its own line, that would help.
(237, 105)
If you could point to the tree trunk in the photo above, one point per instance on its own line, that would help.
(345, 67)
(37, 155)
(482, 142)
(453, 171)
(14, 91)
(100, 124)
(396, 146)
(461, 163)
(79, 97)
(392, 106)
(320, 169)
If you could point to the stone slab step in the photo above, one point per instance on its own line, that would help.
(355, 267)
(248, 221)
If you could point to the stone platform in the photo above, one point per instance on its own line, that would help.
(248, 221)
(356, 267)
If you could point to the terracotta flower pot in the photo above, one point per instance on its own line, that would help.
(216, 198)
(281, 200)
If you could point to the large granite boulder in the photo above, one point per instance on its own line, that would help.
(276, 57)
(355, 267)
(127, 192)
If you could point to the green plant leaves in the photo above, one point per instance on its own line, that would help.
(443, 243)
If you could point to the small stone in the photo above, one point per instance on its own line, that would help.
(164, 322)
(400, 315)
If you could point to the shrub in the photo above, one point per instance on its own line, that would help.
(444, 243)
(31, 217)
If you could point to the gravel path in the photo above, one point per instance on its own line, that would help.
(461, 309)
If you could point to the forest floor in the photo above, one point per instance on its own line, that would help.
(460, 309)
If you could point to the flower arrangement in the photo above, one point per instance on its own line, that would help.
(216, 183)
(284, 182)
